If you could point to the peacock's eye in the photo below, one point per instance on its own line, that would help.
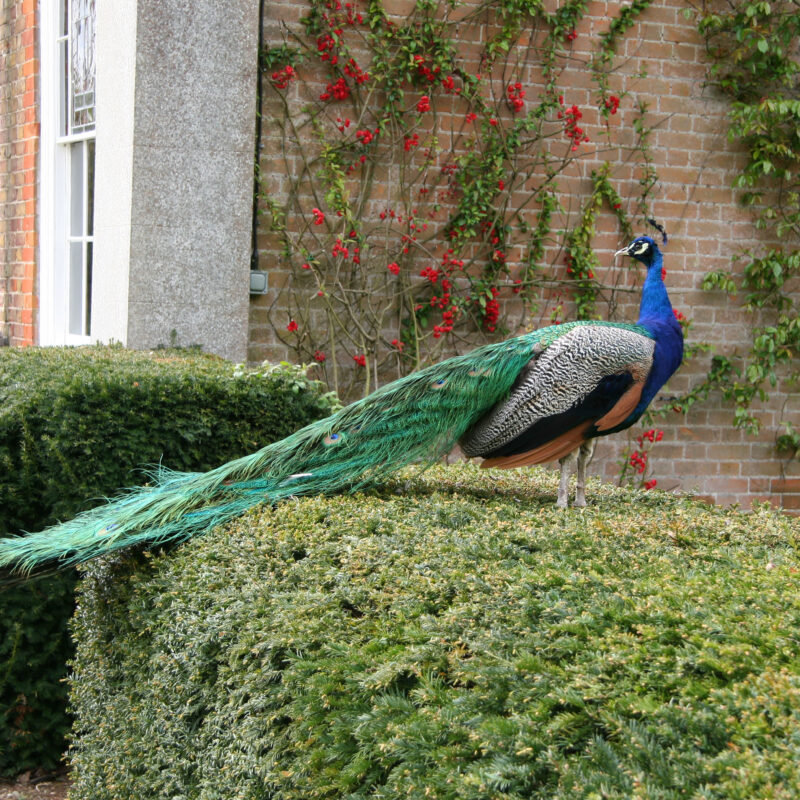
(641, 248)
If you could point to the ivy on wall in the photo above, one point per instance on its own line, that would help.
(753, 47)
(418, 202)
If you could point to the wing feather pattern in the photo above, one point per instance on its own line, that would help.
(588, 381)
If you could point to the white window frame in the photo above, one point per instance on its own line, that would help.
(55, 196)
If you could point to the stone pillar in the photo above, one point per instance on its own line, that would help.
(174, 196)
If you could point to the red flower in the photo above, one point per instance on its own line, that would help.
(319, 217)
(361, 360)
(410, 142)
(515, 93)
(651, 484)
(339, 91)
(340, 250)
(394, 268)
(572, 36)
(424, 104)
(501, 185)
(398, 344)
(471, 117)
(283, 77)
(319, 356)
(292, 326)
(571, 129)
(638, 461)
(612, 104)
(306, 266)
(448, 85)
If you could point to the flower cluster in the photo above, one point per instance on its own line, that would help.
(365, 136)
(283, 77)
(361, 360)
(515, 94)
(424, 71)
(394, 268)
(352, 69)
(397, 344)
(448, 319)
(572, 131)
(638, 460)
(339, 90)
(650, 436)
(340, 250)
(319, 217)
(411, 142)
(326, 47)
(319, 356)
(341, 124)
(612, 104)
(292, 326)
(491, 311)
(424, 104)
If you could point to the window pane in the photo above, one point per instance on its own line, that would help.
(76, 200)
(87, 295)
(63, 106)
(90, 187)
(76, 289)
(82, 72)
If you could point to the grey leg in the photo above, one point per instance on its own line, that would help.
(584, 457)
(563, 486)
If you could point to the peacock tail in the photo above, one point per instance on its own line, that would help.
(416, 419)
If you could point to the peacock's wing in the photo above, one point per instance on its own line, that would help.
(583, 384)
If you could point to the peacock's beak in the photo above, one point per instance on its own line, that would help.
(623, 252)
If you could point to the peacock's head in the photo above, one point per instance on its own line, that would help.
(643, 249)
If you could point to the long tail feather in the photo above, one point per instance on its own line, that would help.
(416, 419)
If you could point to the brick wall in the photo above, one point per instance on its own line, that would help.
(701, 451)
(19, 140)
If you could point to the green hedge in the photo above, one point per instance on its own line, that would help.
(450, 636)
(79, 424)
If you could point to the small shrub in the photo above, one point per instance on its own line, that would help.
(450, 636)
(77, 425)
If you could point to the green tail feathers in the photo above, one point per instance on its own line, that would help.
(416, 419)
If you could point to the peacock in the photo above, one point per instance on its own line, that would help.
(543, 396)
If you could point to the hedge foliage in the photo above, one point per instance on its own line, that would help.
(79, 424)
(447, 636)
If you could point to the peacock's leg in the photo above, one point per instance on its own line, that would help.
(584, 457)
(563, 486)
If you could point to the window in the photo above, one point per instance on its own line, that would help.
(68, 132)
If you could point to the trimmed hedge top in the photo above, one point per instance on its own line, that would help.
(79, 423)
(452, 636)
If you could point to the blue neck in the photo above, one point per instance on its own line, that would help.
(655, 305)
(656, 314)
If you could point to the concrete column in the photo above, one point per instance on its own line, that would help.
(115, 84)
(190, 167)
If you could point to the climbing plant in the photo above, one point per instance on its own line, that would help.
(416, 181)
(753, 48)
